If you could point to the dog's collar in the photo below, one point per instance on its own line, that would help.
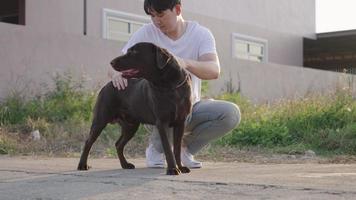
(184, 81)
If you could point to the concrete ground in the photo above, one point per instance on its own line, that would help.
(57, 178)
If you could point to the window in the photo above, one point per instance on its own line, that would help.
(249, 48)
(349, 70)
(120, 26)
(12, 11)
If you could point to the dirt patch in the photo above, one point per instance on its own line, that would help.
(18, 144)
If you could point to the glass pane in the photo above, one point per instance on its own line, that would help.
(241, 46)
(256, 49)
(135, 27)
(242, 56)
(118, 26)
(118, 36)
(255, 58)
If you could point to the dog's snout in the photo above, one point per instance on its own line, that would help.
(115, 61)
(112, 63)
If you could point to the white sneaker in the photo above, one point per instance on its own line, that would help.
(188, 159)
(154, 159)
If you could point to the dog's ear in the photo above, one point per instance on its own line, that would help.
(162, 57)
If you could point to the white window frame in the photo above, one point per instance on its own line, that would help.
(249, 40)
(121, 16)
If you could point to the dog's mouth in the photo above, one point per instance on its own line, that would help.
(130, 73)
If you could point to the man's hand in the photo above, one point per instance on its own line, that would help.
(206, 68)
(118, 81)
(181, 62)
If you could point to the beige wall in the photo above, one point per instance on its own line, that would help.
(283, 48)
(272, 82)
(30, 58)
(282, 22)
(58, 16)
(53, 41)
(286, 16)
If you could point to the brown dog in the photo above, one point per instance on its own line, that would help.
(158, 93)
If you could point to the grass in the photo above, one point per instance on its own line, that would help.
(325, 124)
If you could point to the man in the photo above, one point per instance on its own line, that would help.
(194, 47)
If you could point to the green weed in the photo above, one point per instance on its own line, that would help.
(321, 123)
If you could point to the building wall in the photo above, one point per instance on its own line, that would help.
(30, 59)
(283, 23)
(273, 82)
(64, 16)
(53, 41)
(287, 16)
(294, 17)
(283, 48)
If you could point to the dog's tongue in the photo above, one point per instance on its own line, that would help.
(129, 73)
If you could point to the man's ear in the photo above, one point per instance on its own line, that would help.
(178, 9)
(162, 57)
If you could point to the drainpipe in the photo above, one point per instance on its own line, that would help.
(85, 17)
(22, 12)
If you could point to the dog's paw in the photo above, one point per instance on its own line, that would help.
(128, 166)
(173, 171)
(184, 170)
(83, 167)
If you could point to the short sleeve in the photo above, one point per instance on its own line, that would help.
(207, 43)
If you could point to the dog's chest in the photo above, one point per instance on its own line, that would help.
(172, 104)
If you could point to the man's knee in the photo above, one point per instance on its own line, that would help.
(231, 116)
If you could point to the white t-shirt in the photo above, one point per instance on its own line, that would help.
(195, 42)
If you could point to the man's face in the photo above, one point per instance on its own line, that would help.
(166, 20)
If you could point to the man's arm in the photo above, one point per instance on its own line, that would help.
(206, 68)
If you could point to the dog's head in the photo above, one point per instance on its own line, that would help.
(144, 60)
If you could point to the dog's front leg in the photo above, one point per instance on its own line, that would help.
(171, 162)
(178, 135)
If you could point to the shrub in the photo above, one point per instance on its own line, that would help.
(319, 122)
(66, 101)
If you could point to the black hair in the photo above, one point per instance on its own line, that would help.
(159, 5)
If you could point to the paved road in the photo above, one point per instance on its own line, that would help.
(56, 178)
